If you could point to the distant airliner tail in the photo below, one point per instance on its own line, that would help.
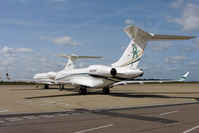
(139, 39)
(184, 77)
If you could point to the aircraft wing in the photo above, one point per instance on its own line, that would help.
(82, 81)
(49, 82)
(182, 79)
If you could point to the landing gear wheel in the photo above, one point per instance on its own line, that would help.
(46, 86)
(82, 90)
(61, 87)
(106, 90)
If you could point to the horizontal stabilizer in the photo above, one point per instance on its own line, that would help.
(137, 34)
(72, 58)
(157, 37)
(79, 57)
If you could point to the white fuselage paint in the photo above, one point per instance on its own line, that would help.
(45, 78)
(95, 76)
(98, 76)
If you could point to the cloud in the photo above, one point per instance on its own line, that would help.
(16, 21)
(175, 59)
(123, 47)
(65, 40)
(24, 50)
(189, 20)
(129, 21)
(16, 60)
(23, 22)
(57, 0)
(42, 37)
(81, 64)
(25, 1)
(177, 3)
(6, 51)
(10, 52)
(193, 47)
(9, 56)
(162, 46)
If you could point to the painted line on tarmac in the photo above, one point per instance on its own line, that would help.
(191, 129)
(171, 112)
(50, 103)
(63, 114)
(13, 119)
(30, 117)
(76, 114)
(57, 114)
(47, 116)
(96, 128)
(3, 110)
(12, 100)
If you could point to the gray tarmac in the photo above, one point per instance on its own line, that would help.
(130, 108)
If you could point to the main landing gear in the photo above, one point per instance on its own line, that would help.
(46, 86)
(106, 90)
(37, 85)
(61, 87)
(82, 90)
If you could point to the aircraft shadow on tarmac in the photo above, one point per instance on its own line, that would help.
(76, 93)
(152, 95)
(137, 117)
(128, 95)
(38, 89)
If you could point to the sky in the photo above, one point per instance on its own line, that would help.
(34, 32)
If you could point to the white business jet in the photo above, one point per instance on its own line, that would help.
(126, 68)
(49, 78)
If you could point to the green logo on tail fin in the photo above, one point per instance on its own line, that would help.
(135, 52)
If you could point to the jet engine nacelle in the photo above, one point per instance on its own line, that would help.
(101, 70)
(129, 73)
(51, 75)
(120, 72)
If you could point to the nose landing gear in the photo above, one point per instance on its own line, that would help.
(61, 87)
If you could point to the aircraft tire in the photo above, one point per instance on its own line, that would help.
(106, 90)
(82, 90)
(61, 87)
(46, 86)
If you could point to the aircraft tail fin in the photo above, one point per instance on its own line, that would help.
(139, 39)
(72, 58)
(184, 77)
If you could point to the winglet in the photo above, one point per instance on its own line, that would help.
(184, 77)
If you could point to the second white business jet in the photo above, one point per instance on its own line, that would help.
(101, 76)
(49, 77)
